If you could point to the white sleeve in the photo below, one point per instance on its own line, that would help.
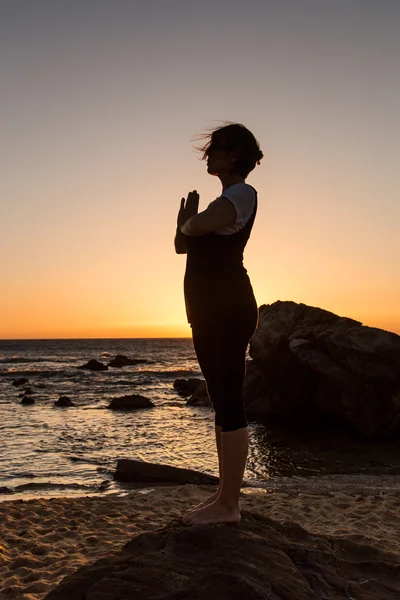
(243, 199)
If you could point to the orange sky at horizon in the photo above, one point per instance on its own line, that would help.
(150, 331)
(101, 104)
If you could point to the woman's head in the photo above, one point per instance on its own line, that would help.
(234, 146)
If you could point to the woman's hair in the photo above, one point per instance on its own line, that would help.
(234, 136)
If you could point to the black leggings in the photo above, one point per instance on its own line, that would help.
(221, 353)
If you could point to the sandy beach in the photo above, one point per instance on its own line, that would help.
(42, 541)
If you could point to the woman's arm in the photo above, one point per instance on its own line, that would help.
(186, 211)
(220, 213)
(180, 242)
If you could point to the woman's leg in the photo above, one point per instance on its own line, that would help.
(227, 379)
(234, 430)
(204, 345)
(211, 499)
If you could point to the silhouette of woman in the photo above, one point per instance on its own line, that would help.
(220, 304)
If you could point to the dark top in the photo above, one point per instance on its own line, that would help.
(216, 284)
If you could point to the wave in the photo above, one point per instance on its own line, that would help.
(43, 373)
(174, 373)
(110, 373)
(131, 383)
(22, 359)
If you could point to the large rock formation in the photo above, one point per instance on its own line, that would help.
(310, 362)
(257, 559)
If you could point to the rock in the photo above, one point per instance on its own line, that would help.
(94, 365)
(27, 400)
(6, 490)
(137, 471)
(104, 485)
(195, 388)
(20, 381)
(186, 387)
(132, 402)
(310, 362)
(200, 397)
(121, 361)
(258, 559)
(24, 394)
(63, 401)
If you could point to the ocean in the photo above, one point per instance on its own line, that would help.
(47, 451)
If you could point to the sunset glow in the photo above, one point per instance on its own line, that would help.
(101, 103)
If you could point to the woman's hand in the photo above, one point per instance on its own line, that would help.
(190, 209)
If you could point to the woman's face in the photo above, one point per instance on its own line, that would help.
(220, 159)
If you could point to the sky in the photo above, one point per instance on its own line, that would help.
(101, 105)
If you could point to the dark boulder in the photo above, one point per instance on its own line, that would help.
(132, 402)
(258, 559)
(138, 471)
(310, 362)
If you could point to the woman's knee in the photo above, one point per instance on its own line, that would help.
(229, 410)
(232, 422)
(230, 418)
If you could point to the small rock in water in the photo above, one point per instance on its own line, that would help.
(121, 361)
(131, 402)
(200, 397)
(94, 365)
(186, 387)
(104, 485)
(20, 381)
(63, 401)
(27, 400)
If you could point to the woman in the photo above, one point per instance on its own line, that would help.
(220, 304)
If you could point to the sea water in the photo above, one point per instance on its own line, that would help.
(48, 451)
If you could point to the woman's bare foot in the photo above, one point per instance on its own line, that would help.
(206, 502)
(213, 513)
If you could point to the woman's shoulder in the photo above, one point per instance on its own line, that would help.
(240, 189)
(242, 185)
(243, 198)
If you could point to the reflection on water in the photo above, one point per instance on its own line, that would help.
(302, 451)
(45, 450)
(76, 450)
